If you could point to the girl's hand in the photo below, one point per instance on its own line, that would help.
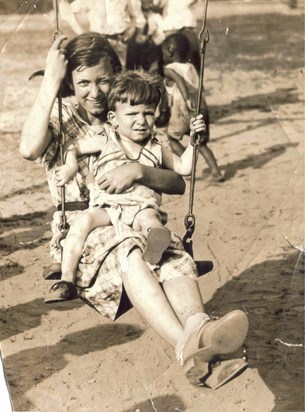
(121, 178)
(63, 174)
(56, 62)
(197, 125)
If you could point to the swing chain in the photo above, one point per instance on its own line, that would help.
(189, 223)
(63, 225)
(195, 139)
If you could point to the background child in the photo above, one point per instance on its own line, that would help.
(118, 20)
(181, 84)
(179, 16)
(132, 103)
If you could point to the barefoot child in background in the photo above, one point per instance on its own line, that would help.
(132, 104)
(181, 84)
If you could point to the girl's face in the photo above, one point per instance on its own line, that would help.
(133, 123)
(91, 86)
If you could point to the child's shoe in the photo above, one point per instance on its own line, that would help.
(61, 291)
(157, 241)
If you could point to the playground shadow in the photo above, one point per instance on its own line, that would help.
(10, 269)
(30, 367)
(272, 294)
(262, 102)
(26, 316)
(31, 227)
(168, 403)
(254, 161)
(257, 161)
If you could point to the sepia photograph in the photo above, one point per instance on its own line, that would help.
(194, 302)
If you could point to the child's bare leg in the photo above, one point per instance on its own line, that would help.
(209, 157)
(146, 219)
(158, 237)
(76, 237)
(79, 230)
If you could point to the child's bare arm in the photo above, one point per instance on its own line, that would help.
(180, 82)
(90, 145)
(73, 150)
(67, 171)
(183, 164)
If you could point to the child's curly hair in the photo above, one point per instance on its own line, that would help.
(135, 87)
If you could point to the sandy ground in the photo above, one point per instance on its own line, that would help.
(71, 359)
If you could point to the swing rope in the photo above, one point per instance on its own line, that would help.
(189, 219)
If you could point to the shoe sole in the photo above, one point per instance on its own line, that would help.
(227, 337)
(158, 240)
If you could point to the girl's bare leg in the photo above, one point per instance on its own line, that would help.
(148, 298)
(184, 296)
(79, 230)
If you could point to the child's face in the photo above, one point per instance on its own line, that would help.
(168, 53)
(133, 122)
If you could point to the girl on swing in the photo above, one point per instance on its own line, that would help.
(111, 262)
(132, 103)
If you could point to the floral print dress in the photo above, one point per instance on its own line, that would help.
(106, 250)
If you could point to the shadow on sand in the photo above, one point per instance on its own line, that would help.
(272, 293)
(47, 360)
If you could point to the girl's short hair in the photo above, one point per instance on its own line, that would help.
(135, 87)
(87, 50)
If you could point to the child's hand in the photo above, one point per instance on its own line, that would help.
(63, 174)
(197, 125)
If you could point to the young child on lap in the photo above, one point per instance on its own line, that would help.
(132, 103)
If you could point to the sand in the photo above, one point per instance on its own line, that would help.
(68, 357)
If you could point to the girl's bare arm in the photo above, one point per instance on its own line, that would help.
(123, 177)
(36, 136)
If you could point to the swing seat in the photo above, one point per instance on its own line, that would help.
(53, 271)
(204, 266)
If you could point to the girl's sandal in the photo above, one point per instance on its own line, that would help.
(61, 291)
(157, 241)
(222, 371)
(221, 336)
